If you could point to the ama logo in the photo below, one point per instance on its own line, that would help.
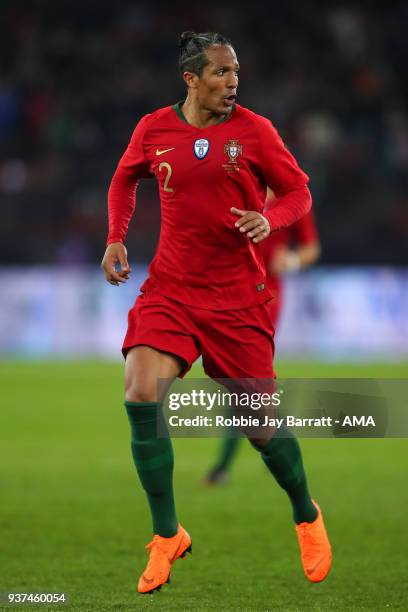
(358, 421)
(201, 147)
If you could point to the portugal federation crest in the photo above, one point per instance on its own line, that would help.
(233, 149)
(201, 147)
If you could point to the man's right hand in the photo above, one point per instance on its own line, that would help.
(116, 253)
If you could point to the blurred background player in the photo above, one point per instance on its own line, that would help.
(289, 250)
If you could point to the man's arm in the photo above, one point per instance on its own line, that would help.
(289, 208)
(289, 183)
(121, 205)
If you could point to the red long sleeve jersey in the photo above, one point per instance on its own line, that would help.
(202, 259)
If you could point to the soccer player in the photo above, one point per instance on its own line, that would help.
(206, 291)
(290, 249)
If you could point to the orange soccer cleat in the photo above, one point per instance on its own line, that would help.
(163, 552)
(315, 549)
(215, 478)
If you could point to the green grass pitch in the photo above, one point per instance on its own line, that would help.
(73, 517)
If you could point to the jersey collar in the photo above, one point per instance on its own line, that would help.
(180, 114)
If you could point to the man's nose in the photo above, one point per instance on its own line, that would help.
(232, 81)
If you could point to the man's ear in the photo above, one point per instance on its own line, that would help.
(190, 79)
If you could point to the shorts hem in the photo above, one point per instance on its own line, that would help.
(187, 362)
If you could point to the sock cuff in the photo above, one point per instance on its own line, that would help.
(143, 412)
(282, 438)
(156, 462)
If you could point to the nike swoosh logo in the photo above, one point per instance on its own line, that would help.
(164, 151)
(148, 580)
(309, 572)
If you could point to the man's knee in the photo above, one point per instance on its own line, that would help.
(144, 367)
(258, 443)
(140, 391)
(140, 377)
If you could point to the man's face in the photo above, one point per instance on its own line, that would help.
(217, 85)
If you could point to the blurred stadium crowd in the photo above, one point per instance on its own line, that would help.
(76, 77)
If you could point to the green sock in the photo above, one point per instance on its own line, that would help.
(228, 449)
(283, 458)
(154, 463)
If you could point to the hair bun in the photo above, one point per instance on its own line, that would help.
(185, 38)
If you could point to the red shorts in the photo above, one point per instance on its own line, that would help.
(233, 343)
(275, 305)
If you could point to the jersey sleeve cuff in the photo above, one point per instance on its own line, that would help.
(113, 239)
(273, 220)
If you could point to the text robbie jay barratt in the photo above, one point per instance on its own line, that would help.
(250, 421)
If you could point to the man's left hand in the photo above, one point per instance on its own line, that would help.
(255, 225)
